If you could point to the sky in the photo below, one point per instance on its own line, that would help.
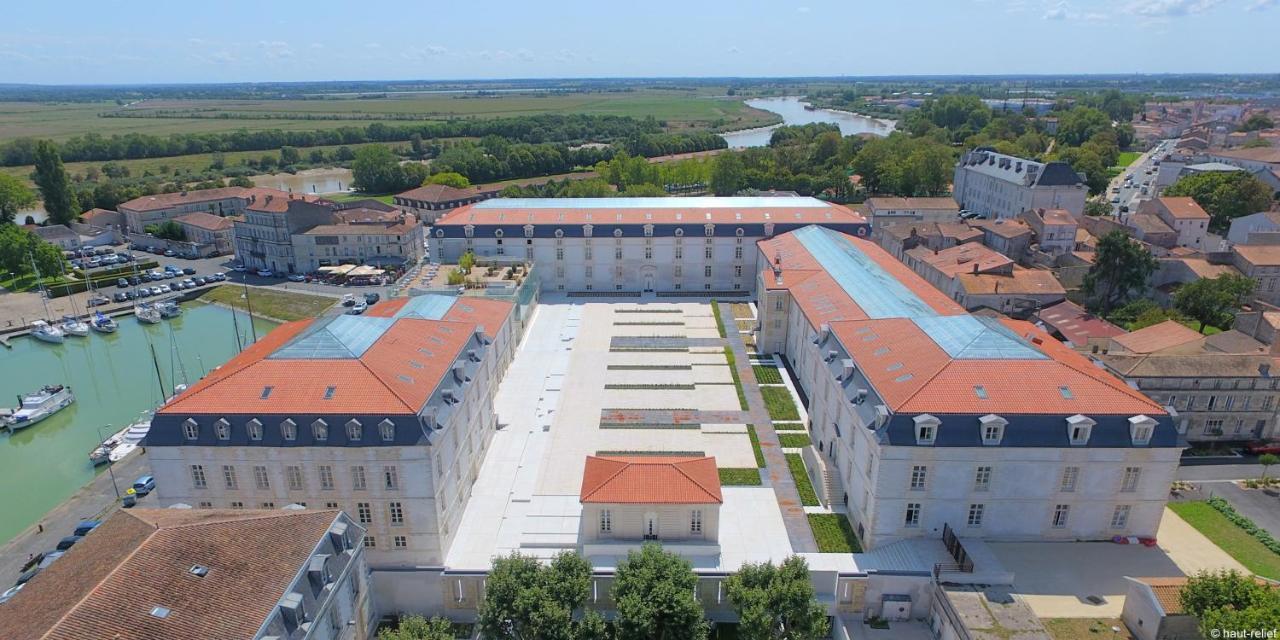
(177, 41)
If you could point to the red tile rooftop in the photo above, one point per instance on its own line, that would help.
(964, 258)
(206, 221)
(1076, 324)
(777, 211)
(650, 480)
(1183, 208)
(440, 193)
(1158, 337)
(912, 203)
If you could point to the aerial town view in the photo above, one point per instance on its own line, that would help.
(684, 321)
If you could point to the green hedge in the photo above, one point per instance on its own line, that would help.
(833, 533)
(767, 375)
(740, 477)
(737, 380)
(794, 440)
(755, 445)
(715, 310)
(808, 497)
(778, 401)
(651, 387)
(1252, 529)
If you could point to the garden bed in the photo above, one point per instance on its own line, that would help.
(766, 374)
(808, 497)
(779, 403)
(742, 477)
(833, 533)
(1232, 538)
(755, 445)
(794, 440)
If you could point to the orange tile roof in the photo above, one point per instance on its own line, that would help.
(650, 480)
(440, 193)
(1183, 208)
(168, 200)
(1076, 324)
(963, 258)
(1021, 281)
(1168, 592)
(106, 585)
(491, 213)
(1007, 228)
(1158, 337)
(278, 201)
(1259, 255)
(207, 221)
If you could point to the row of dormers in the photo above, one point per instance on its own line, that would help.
(992, 428)
(254, 429)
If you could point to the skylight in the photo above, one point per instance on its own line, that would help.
(1066, 392)
(328, 392)
(160, 612)
(981, 391)
(266, 392)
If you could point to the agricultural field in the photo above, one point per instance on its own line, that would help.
(695, 109)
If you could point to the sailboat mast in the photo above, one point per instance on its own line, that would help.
(159, 380)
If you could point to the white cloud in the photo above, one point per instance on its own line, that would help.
(802, 9)
(1060, 11)
(276, 49)
(422, 53)
(1260, 5)
(1170, 8)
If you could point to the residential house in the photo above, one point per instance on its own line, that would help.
(1256, 228)
(209, 229)
(1076, 327)
(142, 212)
(1017, 294)
(1002, 186)
(629, 500)
(1054, 229)
(1184, 216)
(886, 211)
(59, 235)
(264, 238)
(897, 239)
(1012, 237)
(1250, 159)
(389, 244)
(431, 201)
(1262, 263)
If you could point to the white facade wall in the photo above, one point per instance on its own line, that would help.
(629, 522)
(998, 198)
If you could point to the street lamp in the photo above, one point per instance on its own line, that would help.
(110, 470)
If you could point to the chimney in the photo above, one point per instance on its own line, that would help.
(267, 200)
(1264, 369)
(975, 269)
(847, 369)
(777, 258)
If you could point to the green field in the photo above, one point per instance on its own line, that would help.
(703, 108)
(273, 304)
(1235, 541)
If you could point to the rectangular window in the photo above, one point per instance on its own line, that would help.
(679, 252)
(1060, 514)
(706, 271)
(913, 515)
(1120, 517)
(975, 514)
(206, 505)
(617, 253)
(390, 478)
(606, 521)
(1131, 476)
(1069, 477)
(737, 253)
(237, 505)
(370, 542)
(648, 253)
(197, 477)
(982, 479)
(397, 513)
(364, 513)
(260, 478)
(229, 476)
(695, 522)
(737, 271)
(326, 477)
(707, 253)
(401, 542)
(294, 476)
(919, 475)
(268, 505)
(357, 479)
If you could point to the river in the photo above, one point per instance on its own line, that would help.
(114, 380)
(793, 112)
(312, 181)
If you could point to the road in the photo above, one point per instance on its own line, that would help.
(1120, 195)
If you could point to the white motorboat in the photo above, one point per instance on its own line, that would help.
(101, 454)
(103, 324)
(168, 309)
(146, 313)
(34, 407)
(45, 332)
(74, 326)
(132, 439)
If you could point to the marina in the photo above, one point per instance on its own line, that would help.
(114, 377)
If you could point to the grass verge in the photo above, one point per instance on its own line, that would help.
(788, 426)
(269, 303)
(793, 440)
(778, 401)
(742, 477)
(833, 533)
(767, 375)
(755, 445)
(1229, 537)
(715, 310)
(737, 381)
(808, 497)
(1074, 628)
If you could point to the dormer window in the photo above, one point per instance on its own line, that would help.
(320, 430)
(355, 431)
(288, 430)
(709, 229)
(617, 233)
(1078, 430)
(992, 428)
(648, 231)
(388, 430)
(679, 233)
(255, 430)
(222, 429)
(191, 429)
(497, 233)
(926, 428)
(469, 231)
(1140, 429)
(528, 231)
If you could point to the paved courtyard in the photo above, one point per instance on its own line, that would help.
(595, 377)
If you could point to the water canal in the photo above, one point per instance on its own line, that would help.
(114, 380)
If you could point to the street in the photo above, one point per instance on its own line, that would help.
(1120, 195)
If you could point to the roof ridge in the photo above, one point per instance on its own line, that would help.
(679, 466)
(622, 466)
(266, 514)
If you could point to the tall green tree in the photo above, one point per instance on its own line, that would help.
(1228, 601)
(1120, 269)
(19, 246)
(450, 179)
(728, 175)
(376, 169)
(289, 155)
(1225, 195)
(525, 600)
(54, 183)
(777, 602)
(14, 197)
(654, 595)
(1256, 122)
(420, 628)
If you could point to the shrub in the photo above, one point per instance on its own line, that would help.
(788, 426)
(737, 380)
(1248, 525)
(715, 311)
(755, 445)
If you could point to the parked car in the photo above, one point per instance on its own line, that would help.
(164, 288)
(49, 557)
(97, 301)
(68, 542)
(188, 284)
(144, 485)
(144, 292)
(238, 267)
(155, 291)
(200, 282)
(348, 299)
(372, 298)
(118, 297)
(170, 253)
(297, 277)
(265, 273)
(27, 576)
(178, 286)
(1261, 448)
(219, 276)
(358, 308)
(122, 283)
(86, 526)
(189, 271)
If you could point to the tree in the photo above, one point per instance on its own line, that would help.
(168, 230)
(449, 179)
(420, 628)
(14, 196)
(1225, 195)
(777, 603)
(19, 246)
(376, 169)
(466, 262)
(727, 174)
(55, 185)
(1096, 208)
(1257, 122)
(1121, 267)
(525, 600)
(1208, 300)
(1230, 601)
(1267, 460)
(289, 155)
(654, 594)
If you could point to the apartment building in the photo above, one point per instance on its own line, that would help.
(1054, 229)
(429, 202)
(197, 573)
(209, 229)
(633, 245)
(926, 417)
(1262, 263)
(887, 211)
(264, 238)
(227, 201)
(1184, 216)
(1002, 186)
(386, 416)
(393, 243)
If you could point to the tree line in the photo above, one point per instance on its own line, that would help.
(569, 129)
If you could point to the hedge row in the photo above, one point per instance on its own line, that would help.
(651, 387)
(1252, 529)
